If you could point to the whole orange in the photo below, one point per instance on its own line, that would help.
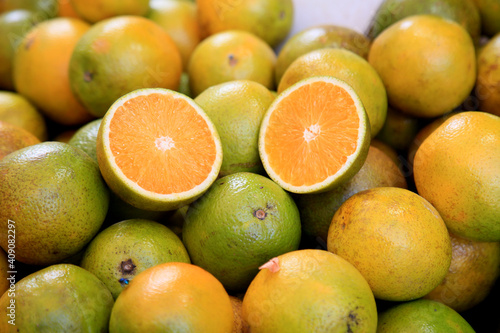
(97, 10)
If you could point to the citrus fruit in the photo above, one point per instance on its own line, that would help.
(236, 108)
(349, 67)
(475, 266)
(427, 64)
(456, 168)
(388, 150)
(85, 138)
(119, 55)
(98, 10)
(184, 85)
(4, 268)
(318, 37)
(314, 136)
(43, 9)
(399, 129)
(241, 222)
(317, 210)
(270, 20)
(422, 316)
(173, 297)
(120, 210)
(17, 110)
(64, 136)
(178, 18)
(488, 76)
(309, 291)
(489, 11)
(123, 250)
(231, 55)
(157, 149)
(57, 198)
(13, 138)
(464, 12)
(65, 9)
(395, 238)
(13, 25)
(41, 69)
(239, 325)
(59, 298)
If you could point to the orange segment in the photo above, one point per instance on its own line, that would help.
(314, 135)
(172, 134)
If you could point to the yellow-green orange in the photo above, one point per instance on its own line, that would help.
(319, 37)
(119, 55)
(173, 297)
(236, 108)
(456, 168)
(399, 129)
(427, 64)
(231, 55)
(317, 210)
(85, 138)
(395, 238)
(241, 222)
(488, 76)
(475, 266)
(490, 16)
(349, 67)
(309, 291)
(127, 248)
(63, 196)
(59, 298)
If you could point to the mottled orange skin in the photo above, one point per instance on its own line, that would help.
(395, 238)
(475, 266)
(457, 169)
(173, 297)
(13, 138)
(41, 69)
(239, 325)
(488, 77)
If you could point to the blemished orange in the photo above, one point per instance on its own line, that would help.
(395, 238)
(475, 266)
(98, 10)
(231, 55)
(157, 149)
(456, 169)
(173, 297)
(13, 137)
(178, 18)
(314, 136)
(271, 20)
(119, 55)
(41, 69)
(309, 291)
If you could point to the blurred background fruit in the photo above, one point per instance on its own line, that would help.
(41, 69)
(236, 108)
(490, 16)
(17, 110)
(239, 326)
(399, 129)
(98, 10)
(231, 55)
(4, 268)
(488, 76)
(349, 67)
(119, 55)
(13, 138)
(43, 9)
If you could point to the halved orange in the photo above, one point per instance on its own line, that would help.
(157, 149)
(314, 136)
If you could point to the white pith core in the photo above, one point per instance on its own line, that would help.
(164, 143)
(312, 132)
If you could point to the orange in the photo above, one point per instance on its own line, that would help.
(314, 136)
(317, 210)
(157, 149)
(249, 218)
(119, 55)
(228, 56)
(64, 136)
(388, 150)
(427, 64)
(475, 266)
(4, 268)
(271, 20)
(13, 138)
(309, 291)
(395, 238)
(318, 37)
(41, 69)
(399, 129)
(239, 325)
(349, 67)
(173, 297)
(178, 18)
(490, 16)
(85, 138)
(17, 110)
(97, 10)
(237, 108)
(65, 9)
(488, 76)
(456, 168)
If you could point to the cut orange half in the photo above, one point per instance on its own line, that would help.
(314, 136)
(157, 149)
